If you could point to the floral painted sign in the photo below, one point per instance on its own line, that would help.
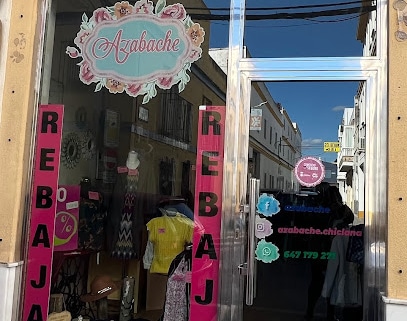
(136, 48)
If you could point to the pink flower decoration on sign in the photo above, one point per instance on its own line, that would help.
(174, 11)
(144, 6)
(165, 83)
(196, 53)
(85, 73)
(263, 227)
(101, 14)
(81, 37)
(196, 33)
(133, 89)
(72, 52)
(114, 86)
(122, 9)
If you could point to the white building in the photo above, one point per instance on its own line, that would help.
(352, 131)
(276, 147)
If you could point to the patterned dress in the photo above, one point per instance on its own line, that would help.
(124, 247)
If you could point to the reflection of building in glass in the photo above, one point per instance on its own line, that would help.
(276, 147)
(352, 131)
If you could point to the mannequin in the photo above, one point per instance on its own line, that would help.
(125, 240)
(133, 161)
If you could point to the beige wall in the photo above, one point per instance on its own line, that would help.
(397, 192)
(20, 47)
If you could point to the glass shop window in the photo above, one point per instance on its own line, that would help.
(128, 155)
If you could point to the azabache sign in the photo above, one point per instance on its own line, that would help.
(136, 48)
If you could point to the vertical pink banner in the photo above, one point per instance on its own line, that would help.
(67, 218)
(207, 216)
(43, 207)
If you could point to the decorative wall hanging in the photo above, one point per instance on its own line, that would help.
(88, 145)
(136, 48)
(400, 6)
(71, 150)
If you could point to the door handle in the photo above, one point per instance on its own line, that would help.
(254, 190)
(242, 268)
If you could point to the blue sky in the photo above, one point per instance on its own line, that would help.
(317, 107)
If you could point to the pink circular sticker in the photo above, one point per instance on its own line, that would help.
(309, 171)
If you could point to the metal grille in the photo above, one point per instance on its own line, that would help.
(176, 117)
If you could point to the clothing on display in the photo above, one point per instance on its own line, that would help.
(92, 218)
(91, 225)
(176, 307)
(355, 252)
(169, 234)
(148, 255)
(124, 220)
(343, 278)
(124, 245)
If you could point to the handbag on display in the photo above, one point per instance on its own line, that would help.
(60, 316)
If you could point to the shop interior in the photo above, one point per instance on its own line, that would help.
(126, 182)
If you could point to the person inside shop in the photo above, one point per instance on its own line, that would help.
(343, 278)
(331, 198)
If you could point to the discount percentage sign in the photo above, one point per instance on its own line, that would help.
(66, 226)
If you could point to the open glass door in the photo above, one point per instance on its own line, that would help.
(286, 262)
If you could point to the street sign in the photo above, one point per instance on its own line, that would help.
(332, 147)
(255, 119)
(309, 171)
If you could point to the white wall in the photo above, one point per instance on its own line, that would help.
(10, 290)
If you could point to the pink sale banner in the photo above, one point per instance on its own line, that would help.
(67, 218)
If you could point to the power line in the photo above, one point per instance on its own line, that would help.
(289, 8)
(311, 22)
(286, 15)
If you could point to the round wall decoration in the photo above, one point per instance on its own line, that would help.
(88, 145)
(71, 150)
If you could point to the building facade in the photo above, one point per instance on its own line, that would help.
(104, 126)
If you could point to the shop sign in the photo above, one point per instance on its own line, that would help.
(208, 208)
(43, 208)
(333, 147)
(67, 218)
(309, 171)
(136, 48)
(255, 119)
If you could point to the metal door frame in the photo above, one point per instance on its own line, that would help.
(241, 73)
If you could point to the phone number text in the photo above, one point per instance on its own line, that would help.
(309, 255)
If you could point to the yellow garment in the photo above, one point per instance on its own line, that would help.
(169, 234)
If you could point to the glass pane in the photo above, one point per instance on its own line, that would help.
(306, 267)
(132, 77)
(303, 29)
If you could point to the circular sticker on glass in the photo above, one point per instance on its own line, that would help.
(309, 171)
